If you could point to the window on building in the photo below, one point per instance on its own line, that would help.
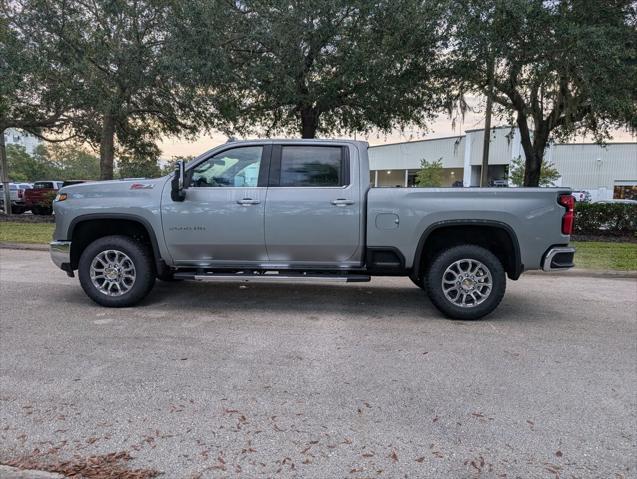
(625, 192)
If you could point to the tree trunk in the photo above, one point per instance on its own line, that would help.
(4, 174)
(107, 147)
(309, 122)
(484, 171)
(533, 157)
(532, 168)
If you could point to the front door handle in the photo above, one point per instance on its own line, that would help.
(248, 201)
(342, 202)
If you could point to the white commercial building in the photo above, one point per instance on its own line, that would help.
(13, 136)
(607, 172)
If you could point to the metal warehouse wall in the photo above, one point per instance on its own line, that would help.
(502, 140)
(407, 156)
(590, 166)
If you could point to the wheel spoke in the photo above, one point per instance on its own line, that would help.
(467, 283)
(112, 272)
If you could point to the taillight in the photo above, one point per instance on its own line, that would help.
(19, 193)
(568, 202)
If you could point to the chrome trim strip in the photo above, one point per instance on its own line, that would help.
(546, 264)
(60, 252)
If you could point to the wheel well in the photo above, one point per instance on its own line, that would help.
(494, 238)
(87, 231)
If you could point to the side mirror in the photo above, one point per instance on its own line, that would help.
(178, 188)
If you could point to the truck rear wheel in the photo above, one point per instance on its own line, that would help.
(466, 282)
(116, 271)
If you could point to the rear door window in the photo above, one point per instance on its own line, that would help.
(313, 166)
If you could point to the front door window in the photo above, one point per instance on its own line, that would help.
(238, 168)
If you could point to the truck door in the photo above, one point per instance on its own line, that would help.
(313, 208)
(221, 219)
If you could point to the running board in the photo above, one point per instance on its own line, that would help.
(273, 277)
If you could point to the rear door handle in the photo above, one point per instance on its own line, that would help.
(342, 202)
(248, 201)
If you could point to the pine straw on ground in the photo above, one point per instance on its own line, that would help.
(107, 466)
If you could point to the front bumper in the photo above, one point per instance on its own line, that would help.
(558, 258)
(61, 255)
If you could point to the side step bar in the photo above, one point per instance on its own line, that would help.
(268, 277)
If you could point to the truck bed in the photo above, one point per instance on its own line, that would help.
(398, 217)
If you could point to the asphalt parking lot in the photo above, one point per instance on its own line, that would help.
(362, 380)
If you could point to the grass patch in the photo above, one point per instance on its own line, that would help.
(590, 254)
(11, 232)
(606, 255)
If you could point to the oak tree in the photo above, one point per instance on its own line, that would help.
(560, 67)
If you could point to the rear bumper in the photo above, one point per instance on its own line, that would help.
(558, 258)
(61, 254)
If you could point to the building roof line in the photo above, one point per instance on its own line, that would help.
(418, 141)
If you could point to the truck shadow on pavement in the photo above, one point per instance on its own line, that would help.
(400, 300)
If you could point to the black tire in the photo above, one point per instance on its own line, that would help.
(17, 210)
(139, 255)
(447, 259)
(46, 211)
(35, 210)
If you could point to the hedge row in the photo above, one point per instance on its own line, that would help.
(606, 219)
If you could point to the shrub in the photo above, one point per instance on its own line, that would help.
(606, 219)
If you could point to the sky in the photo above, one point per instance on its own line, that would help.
(441, 127)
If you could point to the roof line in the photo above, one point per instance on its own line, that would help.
(417, 141)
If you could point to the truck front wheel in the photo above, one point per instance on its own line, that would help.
(116, 271)
(466, 282)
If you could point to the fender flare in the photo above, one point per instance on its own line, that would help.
(121, 216)
(518, 267)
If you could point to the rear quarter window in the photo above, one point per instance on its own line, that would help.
(42, 185)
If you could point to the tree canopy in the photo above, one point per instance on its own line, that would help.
(57, 161)
(118, 52)
(120, 74)
(322, 67)
(560, 67)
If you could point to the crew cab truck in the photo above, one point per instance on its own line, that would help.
(303, 210)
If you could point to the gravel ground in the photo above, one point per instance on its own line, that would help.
(363, 380)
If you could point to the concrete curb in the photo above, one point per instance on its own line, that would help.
(587, 273)
(25, 246)
(9, 472)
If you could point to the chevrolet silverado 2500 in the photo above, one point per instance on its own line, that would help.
(303, 210)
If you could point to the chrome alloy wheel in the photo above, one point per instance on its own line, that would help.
(112, 272)
(467, 283)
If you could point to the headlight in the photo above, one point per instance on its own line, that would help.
(61, 197)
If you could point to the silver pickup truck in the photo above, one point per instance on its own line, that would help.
(303, 210)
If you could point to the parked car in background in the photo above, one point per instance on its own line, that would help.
(39, 199)
(17, 194)
(501, 183)
(582, 196)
